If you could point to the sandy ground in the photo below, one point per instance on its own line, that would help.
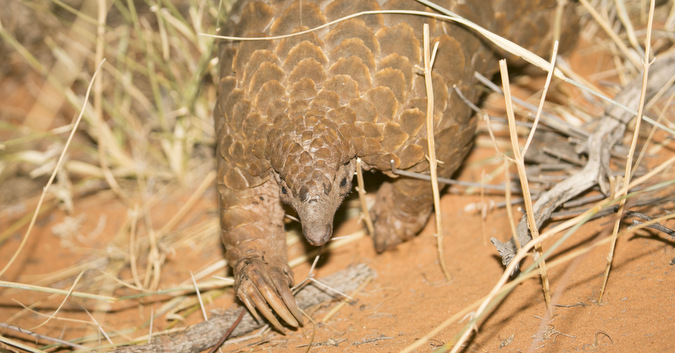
(409, 297)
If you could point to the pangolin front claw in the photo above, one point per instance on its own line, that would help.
(264, 288)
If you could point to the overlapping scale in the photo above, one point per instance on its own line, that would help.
(304, 105)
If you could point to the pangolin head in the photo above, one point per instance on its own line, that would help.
(314, 165)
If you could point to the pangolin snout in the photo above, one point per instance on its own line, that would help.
(317, 235)
(316, 217)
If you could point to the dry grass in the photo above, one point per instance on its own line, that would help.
(150, 122)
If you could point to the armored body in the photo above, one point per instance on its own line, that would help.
(293, 114)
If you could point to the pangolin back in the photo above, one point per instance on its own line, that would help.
(304, 105)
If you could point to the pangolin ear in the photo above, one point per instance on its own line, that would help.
(304, 194)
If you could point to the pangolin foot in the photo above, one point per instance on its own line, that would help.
(393, 225)
(264, 288)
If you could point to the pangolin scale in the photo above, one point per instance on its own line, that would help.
(293, 114)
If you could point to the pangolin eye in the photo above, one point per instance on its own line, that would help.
(283, 190)
(343, 182)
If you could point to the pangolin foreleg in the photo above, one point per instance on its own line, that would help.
(255, 244)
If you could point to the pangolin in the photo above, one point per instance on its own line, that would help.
(293, 114)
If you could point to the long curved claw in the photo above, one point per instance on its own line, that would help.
(289, 300)
(264, 289)
(277, 304)
(250, 306)
(259, 301)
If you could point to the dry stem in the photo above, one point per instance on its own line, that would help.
(520, 164)
(362, 198)
(629, 159)
(428, 64)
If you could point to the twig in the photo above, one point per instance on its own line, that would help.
(371, 340)
(43, 337)
(609, 131)
(428, 64)
(207, 333)
(448, 181)
(651, 201)
(229, 331)
(655, 226)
